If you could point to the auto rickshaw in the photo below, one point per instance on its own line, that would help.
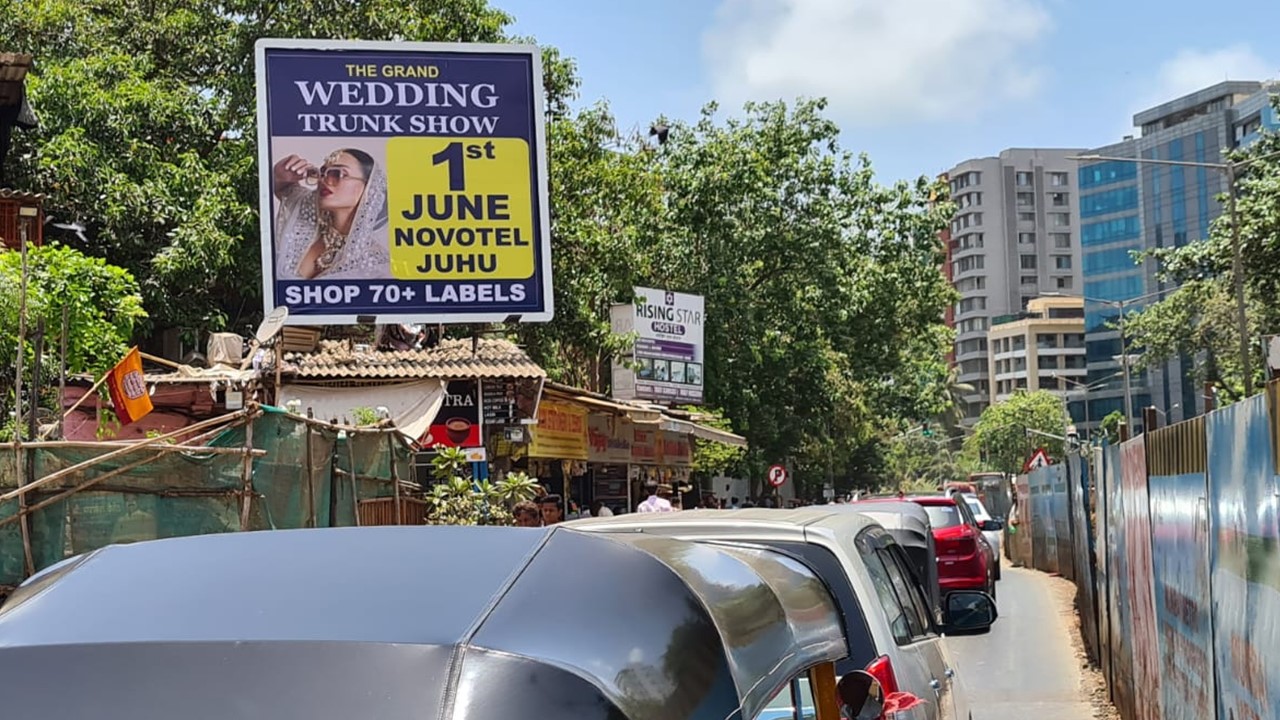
(413, 623)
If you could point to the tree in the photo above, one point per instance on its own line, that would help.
(823, 291)
(1110, 426)
(607, 205)
(919, 463)
(1199, 320)
(1001, 442)
(147, 133)
(102, 303)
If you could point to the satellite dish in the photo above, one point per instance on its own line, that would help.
(270, 327)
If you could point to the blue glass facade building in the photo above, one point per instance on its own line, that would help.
(1128, 207)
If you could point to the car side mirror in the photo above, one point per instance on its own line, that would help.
(860, 692)
(992, 524)
(970, 611)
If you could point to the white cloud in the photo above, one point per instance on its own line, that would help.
(879, 62)
(1192, 69)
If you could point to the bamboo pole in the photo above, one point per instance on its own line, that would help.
(164, 448)
(311, 490)
(141, 445)
(395, 476)
(246, 476)
(106, 476)
(91, 391)
(161, 361)
(355, 491)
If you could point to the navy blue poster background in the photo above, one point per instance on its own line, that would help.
(320, 99)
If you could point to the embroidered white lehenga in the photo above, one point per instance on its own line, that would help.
(363, 253)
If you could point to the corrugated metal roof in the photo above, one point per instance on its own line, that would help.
(14, 66)
(21, 195)
(341, 359)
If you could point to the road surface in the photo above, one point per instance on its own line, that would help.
(1026, 666)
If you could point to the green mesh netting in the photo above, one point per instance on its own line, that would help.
(177, 494)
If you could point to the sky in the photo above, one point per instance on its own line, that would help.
(919, 85)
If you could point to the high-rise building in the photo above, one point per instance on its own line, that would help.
(1040, 349)
(1014, 237)
(1129, 207)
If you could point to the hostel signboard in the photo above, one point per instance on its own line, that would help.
(667, 364)
(404, 182)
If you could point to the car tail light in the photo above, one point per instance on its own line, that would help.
(959, 546)
(882, 670)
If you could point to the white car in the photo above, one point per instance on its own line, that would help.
(888, 623)
(992, 529)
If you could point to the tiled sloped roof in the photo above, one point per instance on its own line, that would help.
(339, 359)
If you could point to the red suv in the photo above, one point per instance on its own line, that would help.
(965, 561)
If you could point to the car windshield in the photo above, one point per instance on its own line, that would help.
(979, 512)
(943, 516)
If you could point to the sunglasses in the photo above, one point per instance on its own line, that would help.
(330, 175)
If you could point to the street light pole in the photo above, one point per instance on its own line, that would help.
(1237, 271)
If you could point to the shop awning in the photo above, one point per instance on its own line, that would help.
(703, 432)
(411, 405)
(633, 412)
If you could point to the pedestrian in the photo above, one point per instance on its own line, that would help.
(552, 510)
(734, 503)
(599, 509)
(659, 499)
(527, 514)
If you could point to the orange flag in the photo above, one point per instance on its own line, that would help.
(128, 389)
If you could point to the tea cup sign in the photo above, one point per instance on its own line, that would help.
(458, 423)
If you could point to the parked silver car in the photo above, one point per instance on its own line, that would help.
(890, 630)
(992, 529)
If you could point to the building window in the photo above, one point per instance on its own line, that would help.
(1058, 179)
(1027, 238)
(1022, 179)
(1058, 199)
(1060, 219)
(1027, 262)
(1105, 173)
(1028, 217)
(1074, 362)
(1061, 240)
(1062, 262)
(1109, 231)
(1049, 362)
(1064, 283)
(1026, 199)
(1028, 280)
(1073, 340)
(1020, 384)
(1109, 201)
(1019, 342)
(977, 218)
(1046, 340)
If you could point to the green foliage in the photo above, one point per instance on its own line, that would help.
(712, 458)
(1199, 319)
(1110, 426)
(1000, 441)
(102, 304)
(147, 132)
(457, 500)
(823, 294)
(365, 416)
(607, 208)
(916, 463)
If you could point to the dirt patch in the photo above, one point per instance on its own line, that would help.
(1093, 684)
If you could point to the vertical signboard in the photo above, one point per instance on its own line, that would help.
(667, 363)
(403, 181)
(459, 422)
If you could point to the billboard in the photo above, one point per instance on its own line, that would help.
(460, 422)
(667, 361)
(403, 182)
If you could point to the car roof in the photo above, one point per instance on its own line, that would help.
(931, 499)
(727, 522)
(275, 610)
